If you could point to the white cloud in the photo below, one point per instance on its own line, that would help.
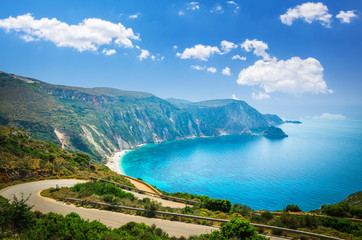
(345, 17)
(28, 38)
(260, 95)
(175, 47)
(236, 9)
(237, 56)
(293, 76)
(199, 52)
(108, 52)
(227, 46)
(88, 35)
(153, 57)
(144, 54)
(197, 67)
(330, 116)
(211, 69)
(217, 9)
(181, 13)
(310, 12)
(134, 16)
(226, 71)
(233, 96)
(193, 6)
(259, 48)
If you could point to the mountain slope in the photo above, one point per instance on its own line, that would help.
(100, 121)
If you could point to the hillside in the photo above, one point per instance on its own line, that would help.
(100, 121)
(24, 158)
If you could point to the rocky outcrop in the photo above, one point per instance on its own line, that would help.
(274, 132)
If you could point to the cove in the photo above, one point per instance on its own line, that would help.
(319, 163)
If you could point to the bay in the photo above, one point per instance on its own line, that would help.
(319, 163)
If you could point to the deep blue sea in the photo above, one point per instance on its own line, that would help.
(319, 163)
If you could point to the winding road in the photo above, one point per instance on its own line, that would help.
(111, 219)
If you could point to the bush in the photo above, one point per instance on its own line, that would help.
(217, 205)
(292, 208)
(242, 209)
(267, 216)
(101, 189)
(151, 207)
(236, 228)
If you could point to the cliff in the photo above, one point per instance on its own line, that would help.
(100, 121)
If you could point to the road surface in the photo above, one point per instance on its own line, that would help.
(111, 219)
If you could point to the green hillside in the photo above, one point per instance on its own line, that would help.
(101, 121)
(23, 158)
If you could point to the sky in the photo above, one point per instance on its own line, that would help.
(294, 58)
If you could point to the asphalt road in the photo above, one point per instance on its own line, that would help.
(111, 219)
(108, 218)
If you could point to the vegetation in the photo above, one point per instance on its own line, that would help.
(234, 229)
(292, 208)
(26, 159)
(341, 210)
(17, 221)
(98, 121)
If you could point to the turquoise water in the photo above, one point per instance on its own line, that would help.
(319, 163)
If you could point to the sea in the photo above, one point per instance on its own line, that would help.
(319, 163)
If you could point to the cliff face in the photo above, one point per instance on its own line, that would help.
(100, 121)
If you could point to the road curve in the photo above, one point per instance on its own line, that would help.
(111, 219)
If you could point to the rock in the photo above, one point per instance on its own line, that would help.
(295, 122)
(274, 132)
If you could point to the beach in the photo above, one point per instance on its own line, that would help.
(113, 161)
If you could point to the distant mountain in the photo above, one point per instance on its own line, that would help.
(176, 101)
(100, 121)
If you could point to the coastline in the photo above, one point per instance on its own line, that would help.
(114, 161)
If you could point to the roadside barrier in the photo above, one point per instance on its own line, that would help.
(286, 230)
(176, 199)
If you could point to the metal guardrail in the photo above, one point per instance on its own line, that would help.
(143, 191)
(287, 230)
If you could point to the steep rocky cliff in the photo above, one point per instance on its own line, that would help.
(100, 121)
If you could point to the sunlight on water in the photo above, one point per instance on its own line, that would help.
(319, 163)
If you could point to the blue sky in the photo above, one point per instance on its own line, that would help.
(293, 58)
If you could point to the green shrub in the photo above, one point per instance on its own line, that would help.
(267, 216)
(292, 208)
(101, 189)
(242, 209)
(217, 205)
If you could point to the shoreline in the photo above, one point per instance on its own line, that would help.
(114, 161)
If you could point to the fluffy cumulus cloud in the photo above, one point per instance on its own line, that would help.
(309, 12)
(109, 52)
(237, 56)
(198, 52)
(88, 35)
(294, 76)
(211, 69)
(345, 17)
(226, 71)
(227, 46)
(193, 6)
(259, 48)
(330, 116)
(143, 55)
